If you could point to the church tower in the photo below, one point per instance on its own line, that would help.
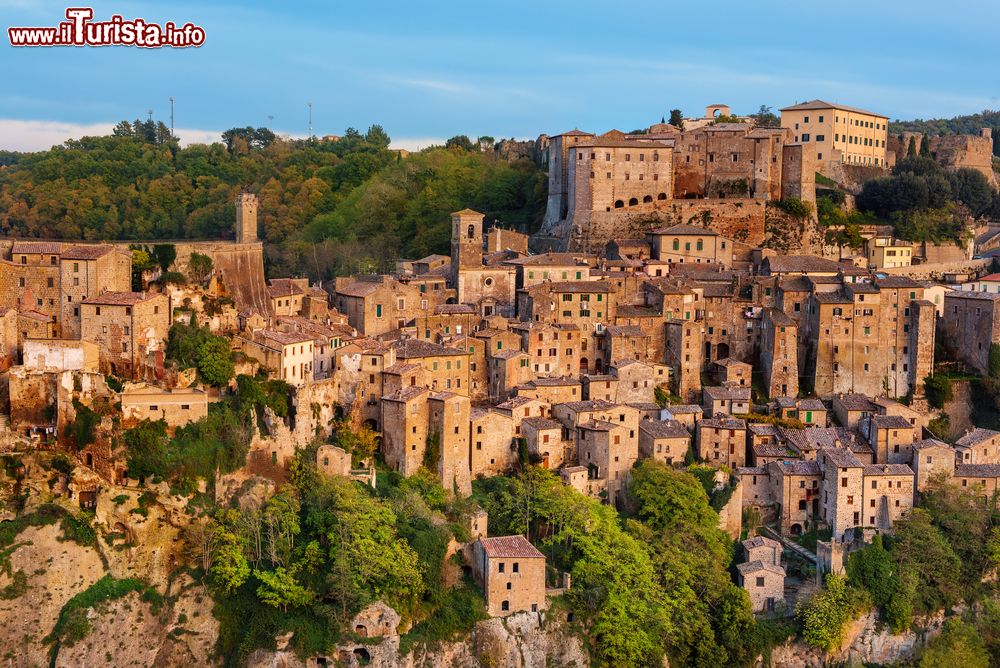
(466, 241)
(246, 218)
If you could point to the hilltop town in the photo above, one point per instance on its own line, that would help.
(710, 322)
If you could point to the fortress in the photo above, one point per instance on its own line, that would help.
(713, 174)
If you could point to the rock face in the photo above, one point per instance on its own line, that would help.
(522, 640)
(865, 642)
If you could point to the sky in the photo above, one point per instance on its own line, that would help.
(429, 70)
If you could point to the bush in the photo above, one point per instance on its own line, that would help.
(938, 390)
(795, 207)
(826, 614)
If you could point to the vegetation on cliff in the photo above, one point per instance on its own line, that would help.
(139, 184)
(959, 125)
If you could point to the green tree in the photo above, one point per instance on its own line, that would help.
(925, 147)
(165, 255)
(230, 568)
(874, 570)
(827, 613)
(959, 644)
(215, 361)
(279, 589)
(926, 556)
(460, 142)
(938, 390)
(146, 446)
(911, 148)
(199, 268)
(676, 118)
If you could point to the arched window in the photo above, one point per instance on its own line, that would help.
(619, 204)
(677, 244)
(472, 231)
(647, 199)
(633, 201)
(662, 196)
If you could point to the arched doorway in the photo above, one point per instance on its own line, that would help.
(723, 350)
(584, 365)
(796, 529)
(598, 365)
(708, 351)
(633, 201)
(661, 196)
(619, 204)
(647, 199)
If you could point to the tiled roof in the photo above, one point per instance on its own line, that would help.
(820, 105)
(855, 402)
(801, 264)
(86, 251)
(723, 422)
(751, 567)
(779, 317)
(841, 458)
(664, 429)
(797, 466)
(680, 230)
(930, 443)
(891, 422)
(411, 348)
(406, 394)
(685, 409)
(977, 470)
(281, 338)
(540, 423)
(896, 282)
(453, 309)
(760, 541)
(888, 469)
(36, 248)
(975, 437)
(120, 298)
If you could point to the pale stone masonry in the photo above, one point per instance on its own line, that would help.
(511, 572)
(130, 330)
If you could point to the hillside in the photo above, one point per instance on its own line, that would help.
(958, 125)
(142, 185)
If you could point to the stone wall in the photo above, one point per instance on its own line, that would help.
(739, 219)
(936, 271)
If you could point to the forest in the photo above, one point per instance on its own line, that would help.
(317, 198)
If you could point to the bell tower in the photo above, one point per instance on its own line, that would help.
(466, 241)
(246, 217)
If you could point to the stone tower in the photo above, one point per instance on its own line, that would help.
(246, 218)
(466, 241)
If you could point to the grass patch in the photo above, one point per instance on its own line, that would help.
(72, 625)
(18, 586)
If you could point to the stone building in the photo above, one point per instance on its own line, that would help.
(375, 305)
(544, 438)
(726, 400)
(177, 407)
(493, 449)
(779, 353)
(722, 441)
(288, 356)
(511, 572)
(891, 437)
(887, 495)
(978, 446)
(931, 457)
(763, 549)
(969, 325)
(331, 460)
(794, 492)
(60, 355)
(764, 582)
(688, 243)
(130, 330)
(666, 441)
(838, 134)
(89, 270)
(684, 357)
(843, 489)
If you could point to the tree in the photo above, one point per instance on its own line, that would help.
(377, 137)
(874, 570)
(165, 255)
(460, 142)
(938, 390)
(826, 614)
(278, 588)
(926, 556)
(959, 644)
(199, 268)
(229, 567)
(911, 149)
(123, 129)
(676, 118)
(146, 443)
(925, 147)
(215, 361)
(765, 118)
(972, 189)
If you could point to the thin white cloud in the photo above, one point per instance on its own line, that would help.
(24, 135)
(416, 143)
(431, 84)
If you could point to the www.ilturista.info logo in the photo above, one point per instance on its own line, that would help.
(81, 30)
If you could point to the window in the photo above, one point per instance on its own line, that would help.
(514, 568)
(501, 567)
(760, 582)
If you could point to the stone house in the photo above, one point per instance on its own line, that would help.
(493, 448)
(891, 437)
(521, 408)
(332, 460)
(983, 480)
(843, 489)
(849, 409)
(445, 369)
(666, 441)
(549, 267)
(763, 549)
(88, 270)
(288, 356)
(130, 330)
(684, 357)
(608, 450)
(692, 244)
(687, 414)
(586, 304)
(177, 407)
(511, 572)
(729, 371)
(544, 438)
(764, 582)
(287, 295)
(553, 350)
(795, 493)
(552, 390)
(60, 355)
(887, 494)
(722, 441)
(405, 428)
(978, 446)
(375, 305)
(779, 353)
(726, 400)
(506, 369)
(931, 457)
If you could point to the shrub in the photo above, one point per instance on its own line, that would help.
(938, 390)
(795, 207)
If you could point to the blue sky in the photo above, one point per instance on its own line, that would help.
(430, 70)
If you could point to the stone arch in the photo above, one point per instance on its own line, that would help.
(361, 630)
(599, 365)
(633, 201)
(371, 423)
(619, 204)
(661, 196)
(722, 350)
(796, 529)
(647, 199)
(584, 365)
(363, 656)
